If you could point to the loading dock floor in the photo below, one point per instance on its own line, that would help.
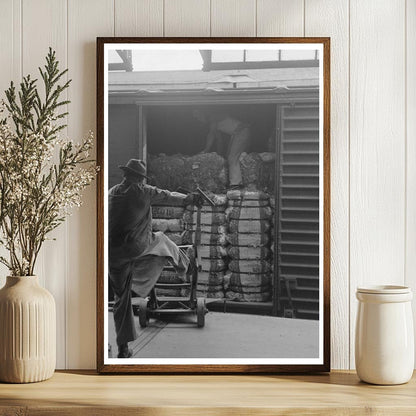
(225, 335)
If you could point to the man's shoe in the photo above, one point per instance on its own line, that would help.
(124, 352)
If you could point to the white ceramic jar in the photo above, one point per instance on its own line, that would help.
(384, 340)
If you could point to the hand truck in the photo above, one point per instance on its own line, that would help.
(156, 306)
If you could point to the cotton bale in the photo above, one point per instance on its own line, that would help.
(250, 266)
(248, 213)
(167, 171)
(257, 170)
(212, 252)
(213, 265)
(208, 171)
(248, 253)
(209, 288)
(211, 278)
(209, 295)
(208, 239)
(247, 297)
(244, 195)
(168, 292)
(164, 225)
(249, 203)
(207, 218)
(250, 227)
(248, 240)
(247, 280)
(249, 289)
(167, 212)
(169, 277)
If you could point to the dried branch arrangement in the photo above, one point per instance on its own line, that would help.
(42, 176)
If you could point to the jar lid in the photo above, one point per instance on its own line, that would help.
(384, 289)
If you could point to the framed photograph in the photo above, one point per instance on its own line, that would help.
(213, 205)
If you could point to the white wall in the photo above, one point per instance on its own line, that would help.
(373, 131)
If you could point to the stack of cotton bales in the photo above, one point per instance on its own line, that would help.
(211, 249)
(258, 171)
(169, 220)
(249, 222)
(166, 171)
(206, 170)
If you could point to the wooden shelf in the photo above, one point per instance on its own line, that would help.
(86, 393)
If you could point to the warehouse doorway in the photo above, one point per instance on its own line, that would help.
(283, 277)
(174, 129)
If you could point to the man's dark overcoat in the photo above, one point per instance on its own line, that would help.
(136, 254)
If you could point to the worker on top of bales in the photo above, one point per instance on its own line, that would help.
(136, 254)
(240, 137)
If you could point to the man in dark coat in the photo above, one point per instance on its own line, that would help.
(136, 254)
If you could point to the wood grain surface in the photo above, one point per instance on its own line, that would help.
(372, 43)
(85, 393)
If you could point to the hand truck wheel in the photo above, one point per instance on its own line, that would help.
(143, 314)
(200, 312)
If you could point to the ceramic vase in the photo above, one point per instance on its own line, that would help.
(384, 341)
(27, 331)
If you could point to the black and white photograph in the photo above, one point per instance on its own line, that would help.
(213, 202)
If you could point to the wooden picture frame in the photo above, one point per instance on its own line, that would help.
(284, 98)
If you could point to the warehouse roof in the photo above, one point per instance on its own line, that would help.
(120, 82)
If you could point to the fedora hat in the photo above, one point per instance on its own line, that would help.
(135, 166)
